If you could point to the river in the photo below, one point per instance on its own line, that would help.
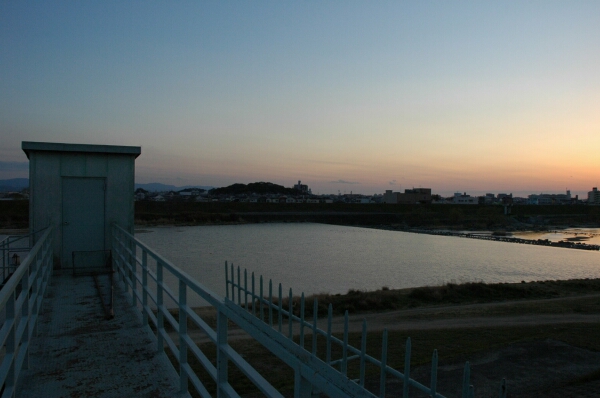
(320, 258)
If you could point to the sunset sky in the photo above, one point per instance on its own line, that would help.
(478, 96)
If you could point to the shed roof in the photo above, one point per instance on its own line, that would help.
(29, 146)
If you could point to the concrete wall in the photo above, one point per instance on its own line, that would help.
(46, 170)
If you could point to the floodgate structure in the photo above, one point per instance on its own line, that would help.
(90, 310)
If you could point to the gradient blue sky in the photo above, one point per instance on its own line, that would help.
(475, 96)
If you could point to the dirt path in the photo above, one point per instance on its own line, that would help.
(431, 318)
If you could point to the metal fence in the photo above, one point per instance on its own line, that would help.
(288, 316)
(13, 249)
(20, 303)
(263, 318)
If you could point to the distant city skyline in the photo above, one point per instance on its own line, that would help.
(357, 96)
(582, 195)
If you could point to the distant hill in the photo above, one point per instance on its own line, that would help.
(158, 187)
(17, 184)
(255, 187)
(14, 184)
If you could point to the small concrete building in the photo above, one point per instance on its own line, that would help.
(80, 190)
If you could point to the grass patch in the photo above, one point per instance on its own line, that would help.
(385, 299)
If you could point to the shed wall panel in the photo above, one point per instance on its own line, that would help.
(72, 164)
(45, 194)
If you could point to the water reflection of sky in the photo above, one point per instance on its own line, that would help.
(584, 235)
(317, 258)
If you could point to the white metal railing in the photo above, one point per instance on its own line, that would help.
(12, 249)
(146, 275)
(271, 310)
(20, 304)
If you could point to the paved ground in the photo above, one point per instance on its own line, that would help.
(78, 353)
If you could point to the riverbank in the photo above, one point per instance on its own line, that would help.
(568, 243)
(385, 299)
(540, 336)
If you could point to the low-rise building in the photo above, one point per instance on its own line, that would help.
(550, 199)
(410, 196)
(464, 199)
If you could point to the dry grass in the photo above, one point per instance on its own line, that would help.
(453, 345)
(384, 299)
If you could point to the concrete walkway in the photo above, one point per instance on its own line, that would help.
(78, 353)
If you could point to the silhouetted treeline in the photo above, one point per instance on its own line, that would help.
(15, 214)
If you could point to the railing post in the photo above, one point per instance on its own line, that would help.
(434, 366)
(262, 318)
(363, 351)
(280, 309)
(503, 389)
(145, 287)
(301, 341)
(25, 311)
(232, 284)
(344, 366)
(37, 270)
(239, 286)
(10, 342)
(302, 387)
(133, 258)
(245, 289)
(328, 343)
(3, 261)
(406, 384)
(160, 319)
(383, 375)
(466, 380)
(290, 314)
(226, 280)
(270, 303)
(222, 360)
(314, 326)
(253, 297)
(183, 348)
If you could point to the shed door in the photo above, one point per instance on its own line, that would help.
(82, 217)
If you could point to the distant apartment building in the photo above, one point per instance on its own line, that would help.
(464, 199)
(594, 197)
(410, 196)
(550, 199)
(489, 198)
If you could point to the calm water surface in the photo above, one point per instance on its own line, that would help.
(317, 258)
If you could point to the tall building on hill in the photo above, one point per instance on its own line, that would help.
(302, 188)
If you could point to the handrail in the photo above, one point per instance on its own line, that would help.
(21, 301)
(313, 373)
(6, 250)
(19, 237)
